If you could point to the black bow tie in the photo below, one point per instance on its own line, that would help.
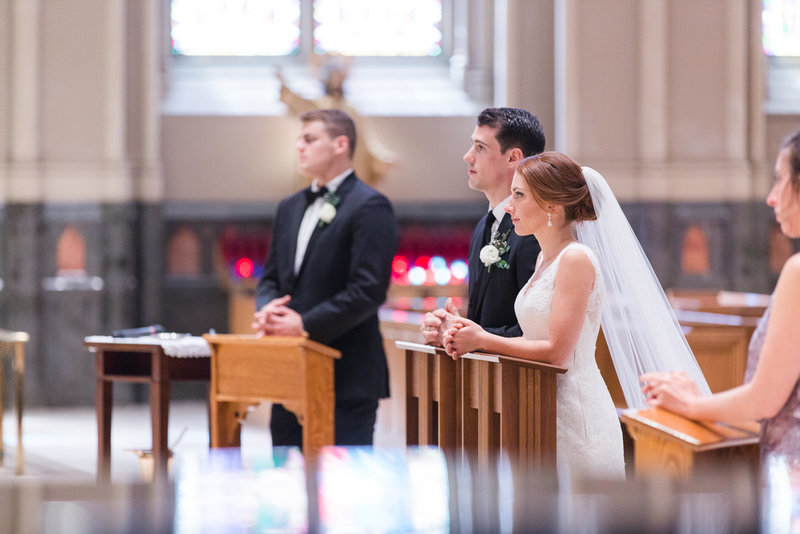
(311, 196)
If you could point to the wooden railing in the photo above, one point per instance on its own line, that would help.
(480, 405)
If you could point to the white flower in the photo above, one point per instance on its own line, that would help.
(489, 255)
(327, 213)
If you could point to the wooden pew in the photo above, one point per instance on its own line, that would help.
(668, 444)
(718, 345)
(672, 445)
(724, 302)
(481, 404)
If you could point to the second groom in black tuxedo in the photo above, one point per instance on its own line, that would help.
(327, 272)
(500, 261)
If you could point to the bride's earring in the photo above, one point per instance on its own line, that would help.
(549, 219)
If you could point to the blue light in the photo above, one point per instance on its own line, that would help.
(417, 276)
(459, 269)
(442, 276)
(438, 262)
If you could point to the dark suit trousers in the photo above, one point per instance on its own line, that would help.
(354, 422)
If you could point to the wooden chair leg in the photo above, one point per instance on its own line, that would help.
(19, 389)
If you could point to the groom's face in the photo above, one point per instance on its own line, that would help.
(486, 164)
(316, 151)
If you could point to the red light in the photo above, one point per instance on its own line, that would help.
(423, 261)
(399, 316)
(244, 267)
(399, 265)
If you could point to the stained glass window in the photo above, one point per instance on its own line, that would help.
(235, 27)
(378, 27)
(272, 27)
(780, 23)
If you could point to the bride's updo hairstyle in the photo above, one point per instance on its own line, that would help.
(554, 178)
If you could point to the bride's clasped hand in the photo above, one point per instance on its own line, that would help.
(463, 337)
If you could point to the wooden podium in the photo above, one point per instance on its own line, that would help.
(669, 444)
(293, 371)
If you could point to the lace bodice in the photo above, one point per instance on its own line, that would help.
(535, 299)
(589, 436)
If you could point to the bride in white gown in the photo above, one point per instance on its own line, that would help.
(559, 311)
(589, 438)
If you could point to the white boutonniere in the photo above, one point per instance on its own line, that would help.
(328, 210)
(492, 254)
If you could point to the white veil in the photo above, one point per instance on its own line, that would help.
(639, 325)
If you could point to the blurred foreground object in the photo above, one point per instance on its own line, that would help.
(372, 160)
(12, 346)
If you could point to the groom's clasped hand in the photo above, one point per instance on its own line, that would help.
(437, 322)
(446, 328)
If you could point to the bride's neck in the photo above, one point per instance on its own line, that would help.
(553, 243)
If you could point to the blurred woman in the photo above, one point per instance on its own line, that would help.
(771, 392)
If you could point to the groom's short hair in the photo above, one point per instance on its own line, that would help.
(516, 128)
(336, 122)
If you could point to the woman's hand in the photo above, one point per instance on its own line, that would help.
(674, 391)
(463, 337)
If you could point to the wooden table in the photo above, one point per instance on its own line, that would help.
(128, 360)
(12, 346)
(668, 444)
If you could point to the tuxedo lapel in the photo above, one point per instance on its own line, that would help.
(319, 231)
(480, 285)
(292, 227)
(296, 217)
(482, 280)
(481, 276)
(312, 240)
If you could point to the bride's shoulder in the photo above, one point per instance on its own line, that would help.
(579, 252)
(577, 258)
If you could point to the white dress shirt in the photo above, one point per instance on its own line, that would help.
(311, 218)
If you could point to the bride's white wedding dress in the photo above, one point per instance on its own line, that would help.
(589, 436)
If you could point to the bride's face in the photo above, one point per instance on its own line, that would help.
(526, 214)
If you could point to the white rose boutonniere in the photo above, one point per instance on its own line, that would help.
(328, 210)
(492, 254)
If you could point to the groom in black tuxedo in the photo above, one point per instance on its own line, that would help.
(327, 272)
(500, 261)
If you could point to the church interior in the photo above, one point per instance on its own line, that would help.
(142, 160)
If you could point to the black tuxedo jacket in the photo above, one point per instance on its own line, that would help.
(341, 283)
(492, 293)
